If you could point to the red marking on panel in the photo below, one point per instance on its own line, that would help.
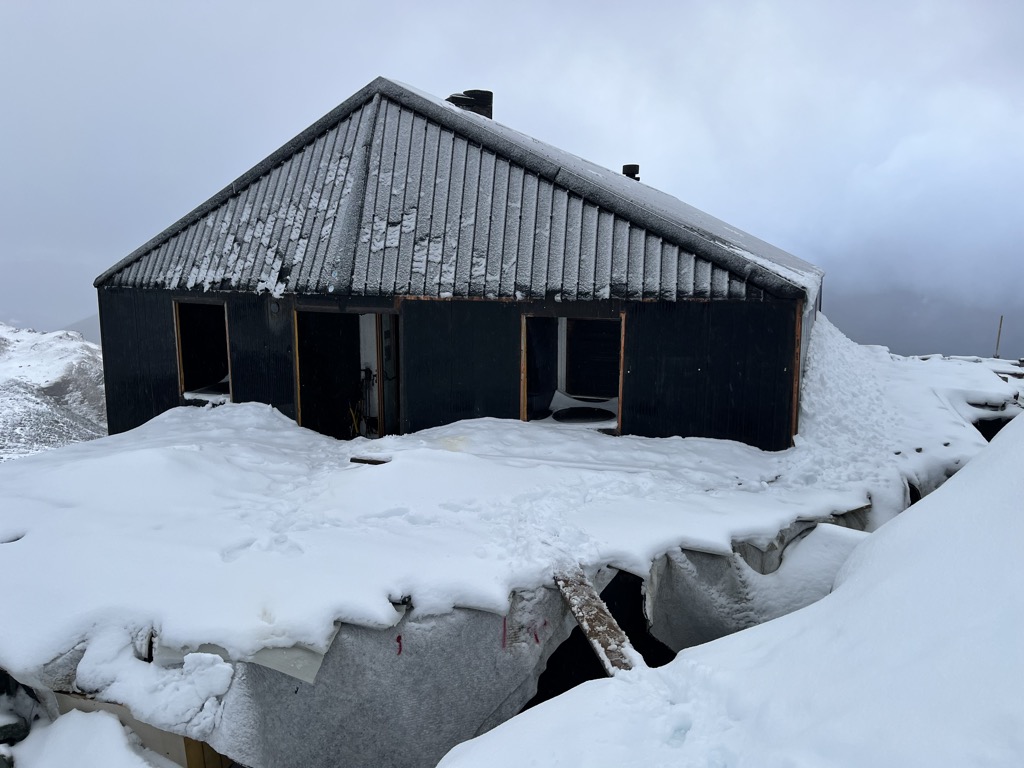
(399, 641)
(504, 632)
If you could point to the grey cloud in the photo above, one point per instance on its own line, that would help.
(879, 140)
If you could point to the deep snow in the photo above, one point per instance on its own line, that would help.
(235, 527)
(914, 659)
(93, 740)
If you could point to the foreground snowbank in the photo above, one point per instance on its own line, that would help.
(94, 740)
(914, 659)
(236, 528)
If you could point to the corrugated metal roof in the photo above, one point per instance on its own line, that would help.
(398, 193)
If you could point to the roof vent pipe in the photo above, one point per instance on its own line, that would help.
(480, 102)
(632, 171)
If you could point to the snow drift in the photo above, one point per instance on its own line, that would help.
(208, 536)
(914, 659)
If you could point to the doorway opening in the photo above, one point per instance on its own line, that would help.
(204, 367)
(572, 369)
(347, 368)
(377, 414)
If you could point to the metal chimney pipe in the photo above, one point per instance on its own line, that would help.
(474, 100)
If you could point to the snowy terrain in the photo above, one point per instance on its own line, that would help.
(914, 659)
(51, 391)
(83, 740)
(234, 527)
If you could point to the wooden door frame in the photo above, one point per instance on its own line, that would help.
(176, 303)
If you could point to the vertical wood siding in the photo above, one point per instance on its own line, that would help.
(720, 369)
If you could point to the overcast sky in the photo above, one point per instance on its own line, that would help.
(883, 141)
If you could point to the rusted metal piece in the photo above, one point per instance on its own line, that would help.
(600, 628)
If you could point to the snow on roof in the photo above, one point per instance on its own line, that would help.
(350, 206)
(233, 526)
(914, 659)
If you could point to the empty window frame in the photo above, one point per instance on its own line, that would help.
(569, 364)
(204, 368)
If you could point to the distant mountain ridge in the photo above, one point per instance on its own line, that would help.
(51, 391)
(89, 327)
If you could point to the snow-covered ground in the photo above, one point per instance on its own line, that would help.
(83, 740)
(914, 659)
(234, 527)
(51, 391)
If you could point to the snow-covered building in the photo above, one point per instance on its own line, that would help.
(406, 263)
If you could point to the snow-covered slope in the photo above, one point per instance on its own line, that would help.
(915, 659)
(51, 391)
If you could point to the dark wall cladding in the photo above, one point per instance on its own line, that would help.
(140, 359)
(459, 360)
(720, 369)
(140, 355)
(262, 359)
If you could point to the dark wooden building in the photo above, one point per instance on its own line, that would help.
(405, 263)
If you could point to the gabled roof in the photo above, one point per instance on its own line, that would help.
(395, 192)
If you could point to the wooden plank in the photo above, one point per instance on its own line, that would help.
(794, 424)
(523, 384)
(177, 340)
(599, 626)
(371, 460)
(194, 757)
(199, 754)
(227, 343)
(622, 370)
(298, 378)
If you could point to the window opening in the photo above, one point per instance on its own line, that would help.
(572, 369)
(204, 369)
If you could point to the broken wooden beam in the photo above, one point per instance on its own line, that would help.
(599, 626)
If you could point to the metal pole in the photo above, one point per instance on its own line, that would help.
(999, 335)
